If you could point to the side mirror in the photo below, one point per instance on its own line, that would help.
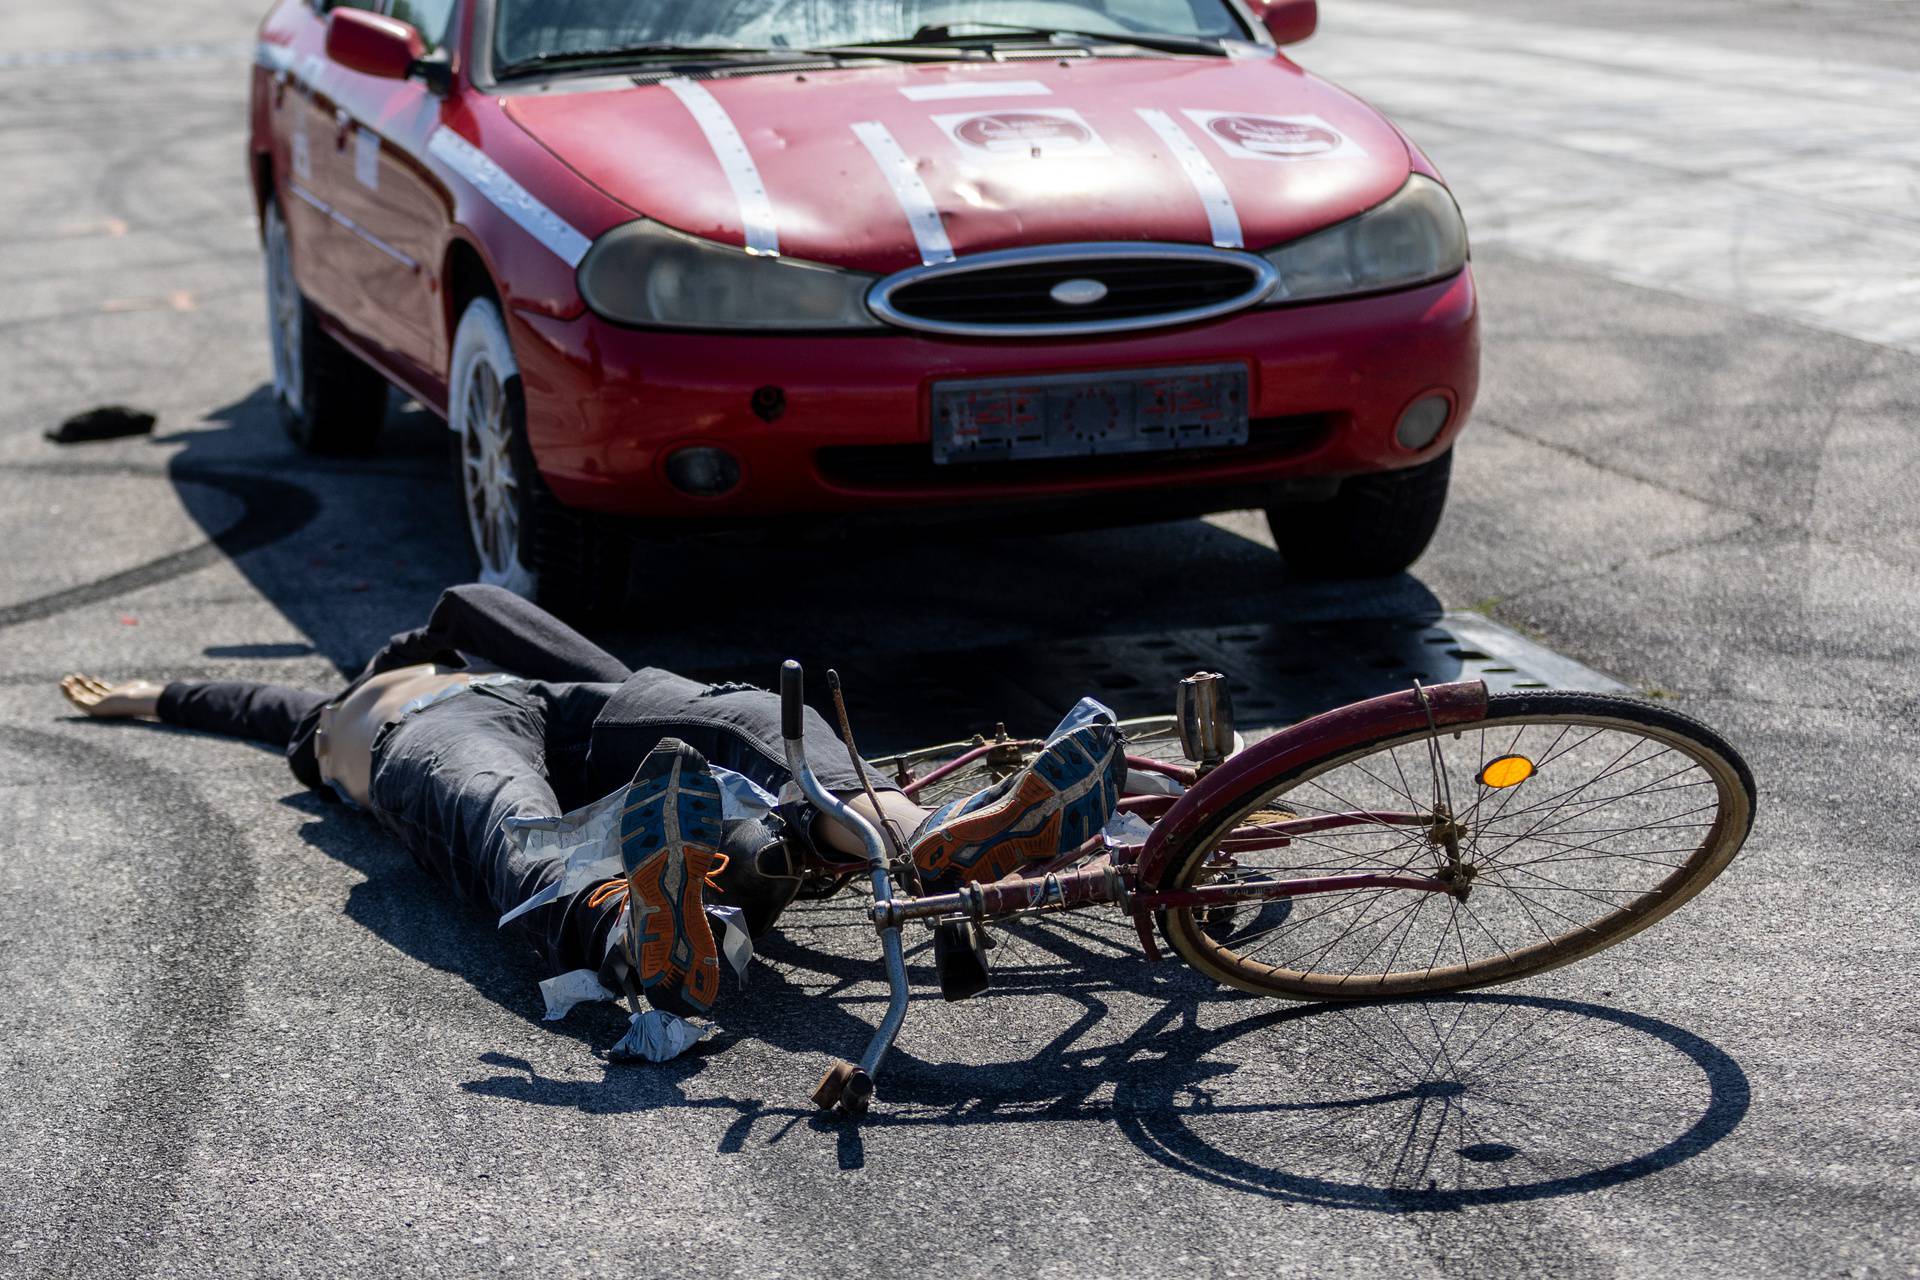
(1288, 21)
(373, 45)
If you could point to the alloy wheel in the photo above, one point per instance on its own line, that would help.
(491, 487)
(286, 318)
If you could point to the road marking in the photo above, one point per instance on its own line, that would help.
(1786, 186)
(149, 53)
(1222, 218)
(929, 233)
(736, 162)
(508, 196)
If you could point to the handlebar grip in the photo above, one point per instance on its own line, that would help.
(791, 699)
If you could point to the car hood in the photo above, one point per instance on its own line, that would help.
(833, 164)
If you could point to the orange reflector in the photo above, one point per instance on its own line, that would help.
(1507, 771)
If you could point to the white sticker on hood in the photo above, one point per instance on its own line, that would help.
(1246, 136)
(976, 89)
(1039, 133)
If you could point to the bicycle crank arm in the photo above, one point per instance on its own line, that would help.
(857, 1084)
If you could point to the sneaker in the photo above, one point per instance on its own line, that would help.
(669, 845)
(1050, 808)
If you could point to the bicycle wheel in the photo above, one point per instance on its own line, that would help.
(1575, 820)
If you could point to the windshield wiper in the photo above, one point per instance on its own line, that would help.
(615, 55)
(943, 34)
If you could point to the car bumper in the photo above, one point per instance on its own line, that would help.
(607, 406)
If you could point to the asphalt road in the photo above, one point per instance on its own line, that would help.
(245, 1037)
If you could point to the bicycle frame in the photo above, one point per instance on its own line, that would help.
(1130, 876)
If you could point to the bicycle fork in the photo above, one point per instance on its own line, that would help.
(848, 1087)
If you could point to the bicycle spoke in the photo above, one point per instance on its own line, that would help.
(1411, 921)
(1582, 848)
(1287, 926)
(1513, 792)
(1475, 916)
(1646, 857)
(1322, 950)
(1588, 806)
(1388, 785)
(1578, 924)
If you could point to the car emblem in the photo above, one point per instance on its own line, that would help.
(1078, 293)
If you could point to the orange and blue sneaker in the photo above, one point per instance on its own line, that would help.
(1063, 799)
(669, 845)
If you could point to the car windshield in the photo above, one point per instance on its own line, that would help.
(532, 30)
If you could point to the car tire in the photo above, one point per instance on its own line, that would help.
(522, 537)
(329, 401)
(1374, 527)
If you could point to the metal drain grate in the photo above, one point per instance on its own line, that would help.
(1280, 673)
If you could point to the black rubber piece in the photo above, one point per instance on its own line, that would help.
(959, 962)
(109, 422)
(1376, 526)
(856, 1096)
(792, 691)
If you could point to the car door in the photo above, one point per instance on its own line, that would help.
(390, 205)
(302, 106)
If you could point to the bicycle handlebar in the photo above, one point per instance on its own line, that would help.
(792, 688)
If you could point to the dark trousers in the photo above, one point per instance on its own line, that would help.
(446, 777)
(469, 625)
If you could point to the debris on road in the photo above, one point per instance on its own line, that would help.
(109, 422)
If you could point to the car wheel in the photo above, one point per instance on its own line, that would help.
(1375, 526)
(329, 401)
(522, 537)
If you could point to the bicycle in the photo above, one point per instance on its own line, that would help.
(1541, 827)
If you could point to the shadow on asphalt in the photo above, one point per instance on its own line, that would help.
(938, 635)
(1392, 1107)
(1396, 1108)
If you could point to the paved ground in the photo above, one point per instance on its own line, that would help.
(245, 1038)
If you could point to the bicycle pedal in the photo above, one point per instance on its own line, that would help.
(960, 961)
(833, 1084)
(1204, 712)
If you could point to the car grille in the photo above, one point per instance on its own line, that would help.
(1011, 294)
(894, 467)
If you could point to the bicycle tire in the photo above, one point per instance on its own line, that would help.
(1226, 952)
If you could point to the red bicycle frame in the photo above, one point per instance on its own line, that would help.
(1133, 875)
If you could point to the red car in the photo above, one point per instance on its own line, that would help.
(719, 264)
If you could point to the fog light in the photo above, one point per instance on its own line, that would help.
(703, 471)
(1422, 422)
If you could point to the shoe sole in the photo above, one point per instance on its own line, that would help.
(669, 841)
(999, 826)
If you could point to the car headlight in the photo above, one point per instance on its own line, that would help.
(1415, 237)
(645, 274)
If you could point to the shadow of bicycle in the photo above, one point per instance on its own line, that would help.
(1438, 1105)
(1393, 1107)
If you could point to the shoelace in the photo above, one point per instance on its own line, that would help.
(613, 889)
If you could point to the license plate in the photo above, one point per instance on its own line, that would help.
(1076, 415)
